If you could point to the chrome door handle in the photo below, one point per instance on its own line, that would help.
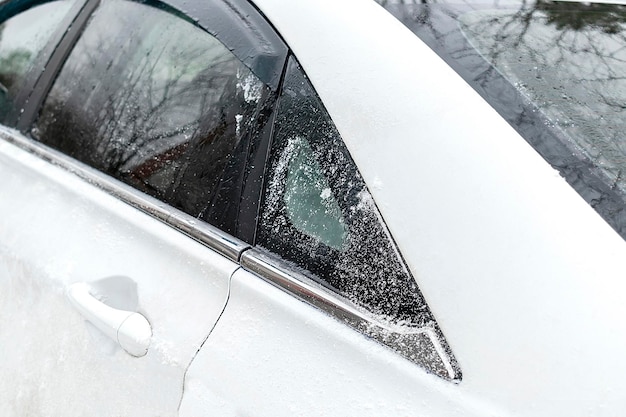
(130, 329)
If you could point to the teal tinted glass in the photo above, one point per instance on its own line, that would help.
(309, 201)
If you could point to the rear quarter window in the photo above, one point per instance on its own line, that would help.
(318, 222)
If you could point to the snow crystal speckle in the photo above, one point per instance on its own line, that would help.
(165, 350)
(377, 183)
(251, 87)
(238, 119)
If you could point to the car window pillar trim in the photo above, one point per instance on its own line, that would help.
(261, 49)
(256, 166)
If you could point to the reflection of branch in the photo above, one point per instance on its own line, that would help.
(583, 16)
(523, 15)
(151, 94)
(566, 43)
(136, 110)
(610, 102)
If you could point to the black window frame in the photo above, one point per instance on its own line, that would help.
(305, 283)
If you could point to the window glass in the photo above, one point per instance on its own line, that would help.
(319, 217)
(554, 70)
(22, 39)
(154, 101)
(309, 203)
(571, 61)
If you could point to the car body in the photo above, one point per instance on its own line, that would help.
(498, 290)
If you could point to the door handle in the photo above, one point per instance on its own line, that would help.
(129, 329)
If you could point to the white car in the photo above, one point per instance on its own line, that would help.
(301, 208)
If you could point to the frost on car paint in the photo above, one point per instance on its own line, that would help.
(55, 345)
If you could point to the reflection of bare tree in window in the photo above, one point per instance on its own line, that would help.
(553, 70)
(158, 104)
(570, 60)
(580, 16)
(146, 97)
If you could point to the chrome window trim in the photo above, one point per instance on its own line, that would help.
(209, 235)
(420, 345)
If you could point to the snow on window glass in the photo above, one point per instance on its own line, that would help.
(308, 200)
(318, 215)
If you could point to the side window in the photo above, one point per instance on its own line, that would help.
(22, 40)
(150, 99)
(318, 215)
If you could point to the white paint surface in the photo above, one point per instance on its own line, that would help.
(271, 355)
(56, 230)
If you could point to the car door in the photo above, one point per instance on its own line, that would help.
(324, 317)
(119, 205)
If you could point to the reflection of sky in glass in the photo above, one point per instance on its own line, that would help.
(576, 76)
(32, 26)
